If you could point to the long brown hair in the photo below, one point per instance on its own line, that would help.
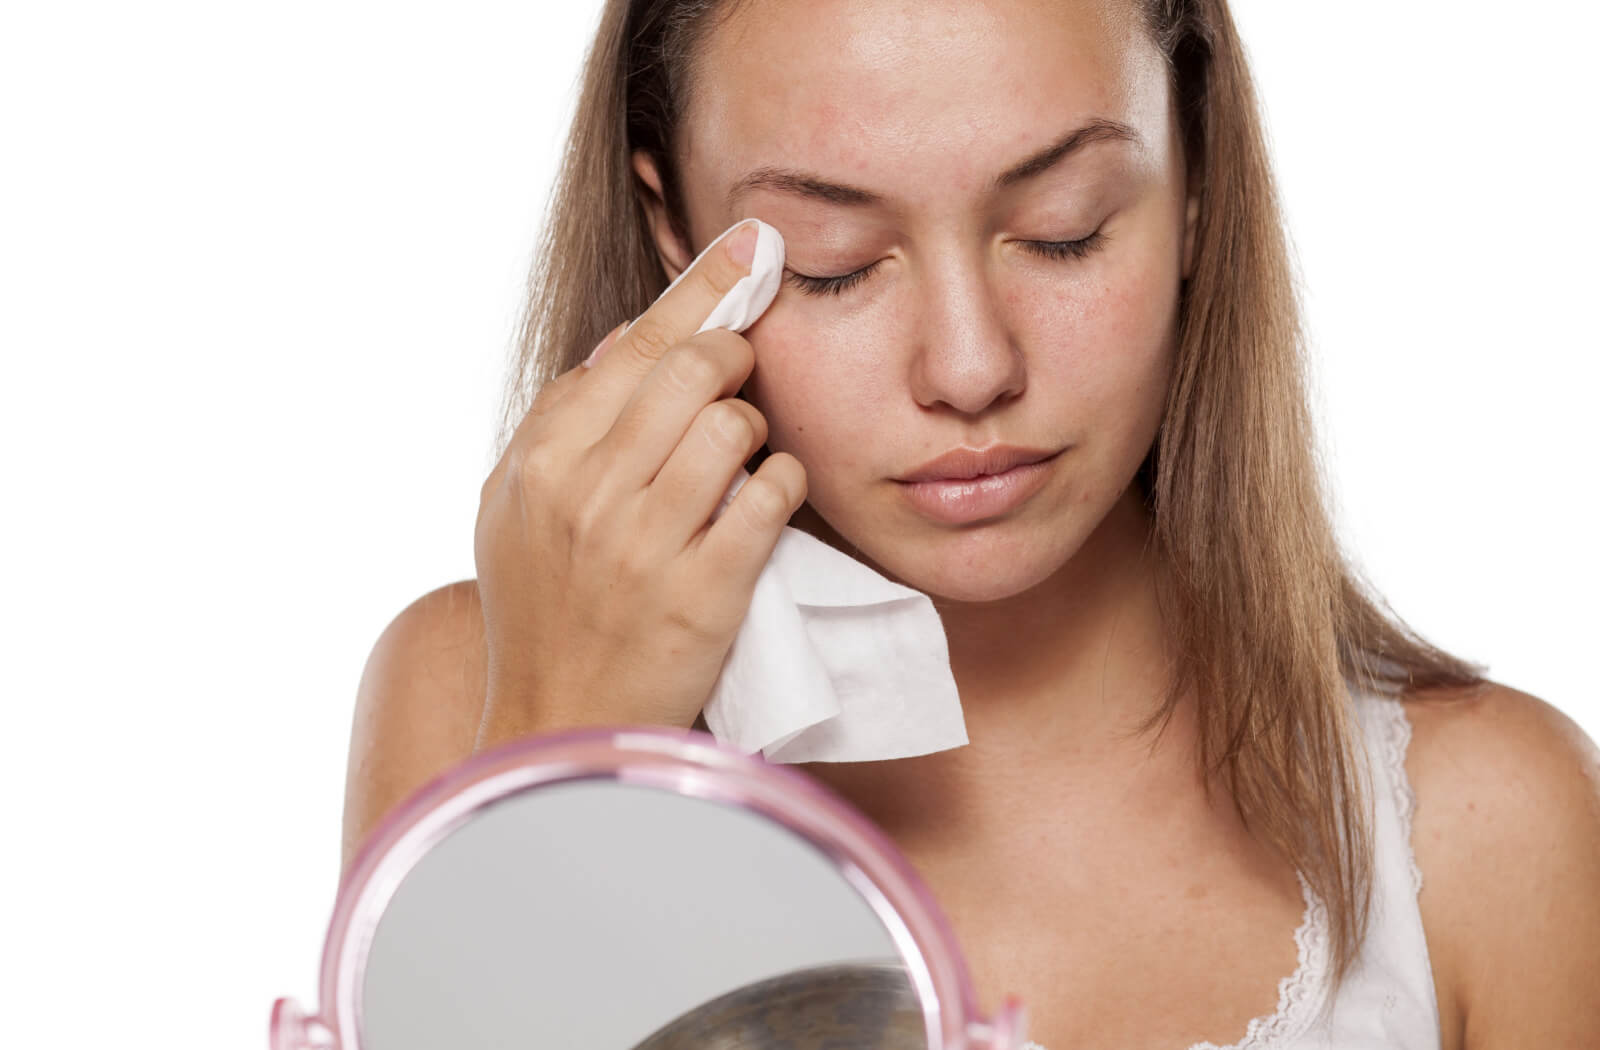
(1274, 626)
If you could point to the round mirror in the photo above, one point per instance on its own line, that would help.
(635, 890)
(593, 913)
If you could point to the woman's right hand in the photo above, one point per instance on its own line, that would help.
(608, 595)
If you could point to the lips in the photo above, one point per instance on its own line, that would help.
(963, 463)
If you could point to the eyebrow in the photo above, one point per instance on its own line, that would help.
(806, 184)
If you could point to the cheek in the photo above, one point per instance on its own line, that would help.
(1104, 347)
(819, 387)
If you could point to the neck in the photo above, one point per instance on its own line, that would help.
(1054, 682)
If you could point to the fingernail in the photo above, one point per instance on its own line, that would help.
(742, 244)
(611, 337)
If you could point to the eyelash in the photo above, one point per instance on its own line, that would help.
(1061, 250)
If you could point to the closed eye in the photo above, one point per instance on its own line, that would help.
(1068, 249)
(1060, 250)
(829, 285)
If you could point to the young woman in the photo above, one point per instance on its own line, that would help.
(1214, 792)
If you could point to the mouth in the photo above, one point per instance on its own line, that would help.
(963, 491)
(967, 464)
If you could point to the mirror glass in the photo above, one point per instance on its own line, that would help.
(613, 916)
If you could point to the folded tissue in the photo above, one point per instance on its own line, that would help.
(834, 662)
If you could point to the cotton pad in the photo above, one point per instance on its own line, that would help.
(749, 298)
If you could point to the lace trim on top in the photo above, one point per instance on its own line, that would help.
(1298, 994)
(1396, 738)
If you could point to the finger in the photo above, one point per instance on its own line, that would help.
(555, 390)
(658, 416)
(604, 344)
(675, 316)
(738, 544)
(692, 482)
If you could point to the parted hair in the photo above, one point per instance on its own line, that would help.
(1275, 628)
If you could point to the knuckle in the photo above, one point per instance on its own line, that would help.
(650, 337)
(758, 423)
(585, 520)
(691, 368)
(766, 502)
(535, 468)
(794, 472)
(599, 513)
(536, 464)
(727, 425)
(788, 476)
(693, 623)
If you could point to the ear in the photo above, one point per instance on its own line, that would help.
(672, 252)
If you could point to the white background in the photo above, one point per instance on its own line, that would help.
(259, 268)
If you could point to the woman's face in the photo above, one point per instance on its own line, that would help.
(961, 332)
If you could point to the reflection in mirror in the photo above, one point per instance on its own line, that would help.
(825, 1008)
(606, 915)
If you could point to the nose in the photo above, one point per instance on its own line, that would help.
(966, 354)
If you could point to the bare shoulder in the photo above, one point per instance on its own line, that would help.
(417, 707)
(1507, 835)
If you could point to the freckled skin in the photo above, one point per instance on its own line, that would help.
(960, 336)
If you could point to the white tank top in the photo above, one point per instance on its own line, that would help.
(1387, 998)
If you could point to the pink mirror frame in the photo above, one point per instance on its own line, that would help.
(688, 762)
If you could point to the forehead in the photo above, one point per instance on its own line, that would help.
(875, 91)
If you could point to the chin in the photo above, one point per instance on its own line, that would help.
(975, 592)
(974, 584)
(975, 567)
